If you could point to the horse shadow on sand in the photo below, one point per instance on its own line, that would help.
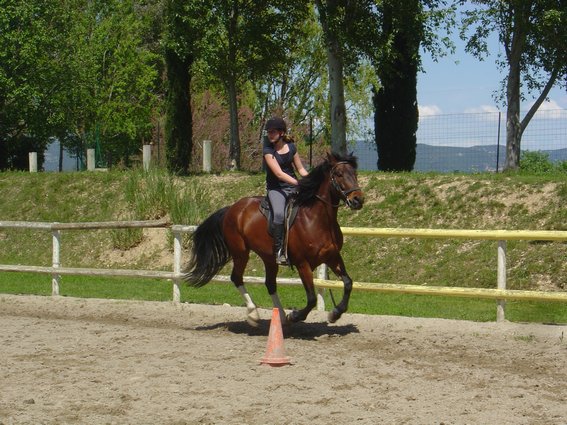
(301, 330)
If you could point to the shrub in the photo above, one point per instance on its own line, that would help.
(561, 167)
(535, 162)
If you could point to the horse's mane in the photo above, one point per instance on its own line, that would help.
(309, 185)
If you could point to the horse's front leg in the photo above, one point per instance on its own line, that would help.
(271, 273)
(340, 270)
(306, 275)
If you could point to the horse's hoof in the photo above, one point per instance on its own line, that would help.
(334, 315)
(291, 317)
(253, 318)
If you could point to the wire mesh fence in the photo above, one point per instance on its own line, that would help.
(475, 142)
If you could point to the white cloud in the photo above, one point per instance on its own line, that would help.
(481, 109)
(550, 110)
(429, 110)
(551, 105)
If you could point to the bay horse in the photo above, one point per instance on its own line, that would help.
(314, 238)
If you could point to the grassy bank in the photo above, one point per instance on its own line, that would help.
(483, 201)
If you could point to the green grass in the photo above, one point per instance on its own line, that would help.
(291, 296)
(452, 201)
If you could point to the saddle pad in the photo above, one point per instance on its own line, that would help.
(291, 209)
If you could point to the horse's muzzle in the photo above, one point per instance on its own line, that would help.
(355, 202)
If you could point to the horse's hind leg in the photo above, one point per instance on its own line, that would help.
(239, 265)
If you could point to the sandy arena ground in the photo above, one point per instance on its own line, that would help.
(78, 361)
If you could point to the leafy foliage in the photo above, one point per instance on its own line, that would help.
(74, 68)
(83, 71)
(112, 77)
(30, 76)
(536, 162)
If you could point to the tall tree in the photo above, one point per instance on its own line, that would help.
(30, 75)
(180, 46)
(534, 36)
(395, 102)
(296, 89)
(110, 77)
(71, 69)
(250, 41)
(332, 15)
(127, 94)
(402, 30)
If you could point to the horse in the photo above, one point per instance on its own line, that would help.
(314, 238)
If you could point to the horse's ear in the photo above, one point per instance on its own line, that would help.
(331, 158)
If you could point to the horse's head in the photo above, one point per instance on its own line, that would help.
(344, 179)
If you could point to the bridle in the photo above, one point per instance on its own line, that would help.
(343, 193)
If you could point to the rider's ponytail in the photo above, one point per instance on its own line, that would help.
(288, 139)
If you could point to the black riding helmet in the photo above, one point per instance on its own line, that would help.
(276, 123)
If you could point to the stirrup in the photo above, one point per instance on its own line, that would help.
(282, 260)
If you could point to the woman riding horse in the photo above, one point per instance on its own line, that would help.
(280, 157)
(314, 238)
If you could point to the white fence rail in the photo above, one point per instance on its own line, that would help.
(501, 294)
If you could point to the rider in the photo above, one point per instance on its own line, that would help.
(280, 157)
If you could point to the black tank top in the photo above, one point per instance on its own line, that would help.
(285, 162)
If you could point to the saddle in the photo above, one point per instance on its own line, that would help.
(291, 209)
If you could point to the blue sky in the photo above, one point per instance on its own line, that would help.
(461, 83)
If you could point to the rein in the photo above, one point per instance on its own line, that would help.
(327, 202)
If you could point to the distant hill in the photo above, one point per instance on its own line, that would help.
(448, 158)
(428, 158)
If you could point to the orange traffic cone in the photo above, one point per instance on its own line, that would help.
(275, 351)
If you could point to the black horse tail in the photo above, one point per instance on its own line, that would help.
(210, 252)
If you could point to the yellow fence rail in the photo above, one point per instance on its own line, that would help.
(501, 294)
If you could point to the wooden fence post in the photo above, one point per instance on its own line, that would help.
(91, 159)
(177, 240)
(322, 273)
(56, 278)
(207, 154)
(501, 307)
(33, 162)
(147, 156)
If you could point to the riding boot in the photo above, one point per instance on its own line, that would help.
(279, 244)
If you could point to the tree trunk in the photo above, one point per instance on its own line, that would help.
(60, 159)
(337, 94)
(513, 127)
(336, 84)
(514, 56)
(234, 151)
(3, 153)
(231, 86)
(543, 95)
